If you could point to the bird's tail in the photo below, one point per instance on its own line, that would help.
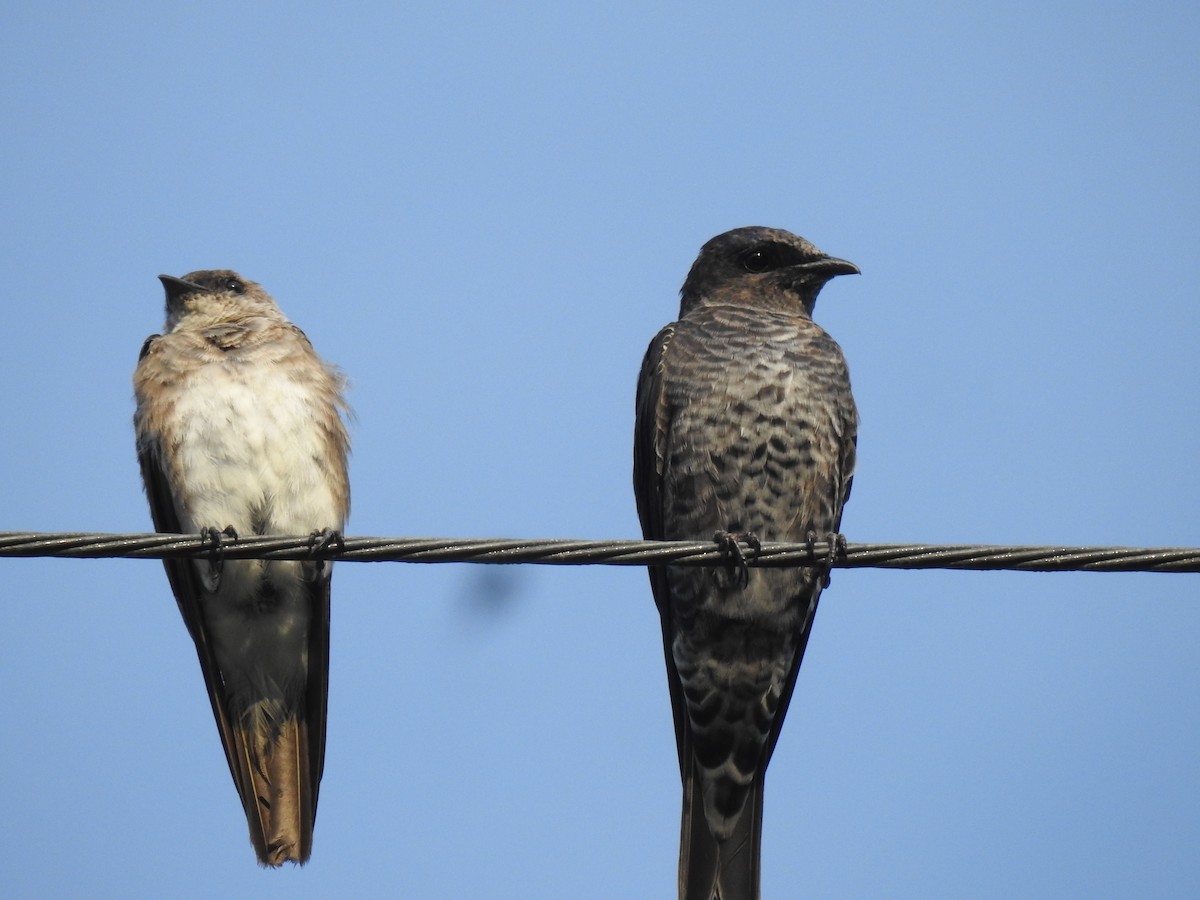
(275, 778)
(713, 869)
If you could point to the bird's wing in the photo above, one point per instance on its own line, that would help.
(316, 700)
(650, 437)
(839, 484)
(185, 585)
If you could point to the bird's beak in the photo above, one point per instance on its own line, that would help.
(829, 266)
(177, 287)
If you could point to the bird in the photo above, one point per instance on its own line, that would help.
(241, 430)
(745, 431)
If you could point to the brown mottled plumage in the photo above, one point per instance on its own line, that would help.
(745, 426)
(239, 429)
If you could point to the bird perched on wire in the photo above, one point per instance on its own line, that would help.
(240, 431)
(745, 432)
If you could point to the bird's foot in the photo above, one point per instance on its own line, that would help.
(730, 545)
(837, 550)
(215, 537)
(325, 539)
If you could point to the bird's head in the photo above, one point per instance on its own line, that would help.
(214, 297)
(766, 268)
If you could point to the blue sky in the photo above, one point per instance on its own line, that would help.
(483, 214)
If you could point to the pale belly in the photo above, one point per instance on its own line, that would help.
(248, 459)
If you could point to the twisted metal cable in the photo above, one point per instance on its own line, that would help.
(976, 557)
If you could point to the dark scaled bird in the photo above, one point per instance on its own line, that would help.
(240, 432)
(746, 431)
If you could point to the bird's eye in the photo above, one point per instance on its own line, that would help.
(236, 286)
(761, 259)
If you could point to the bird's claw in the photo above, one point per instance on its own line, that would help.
(730, 545)
(325, 539)
(214, 537)
(837, 550)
